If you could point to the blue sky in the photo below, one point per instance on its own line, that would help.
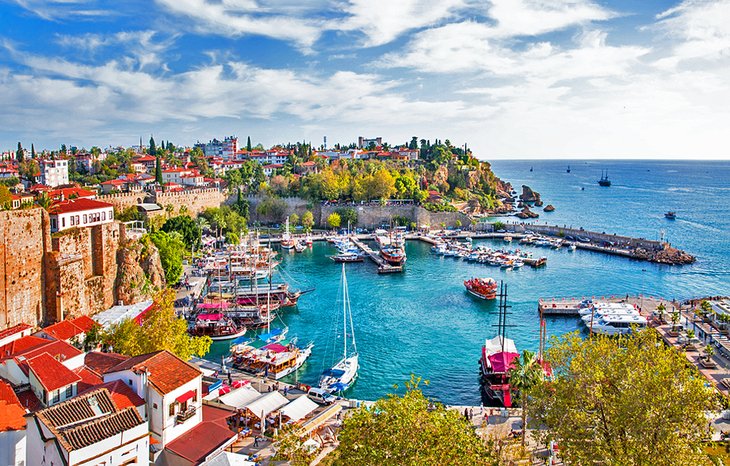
(512, 78)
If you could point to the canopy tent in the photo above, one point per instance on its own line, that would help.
(215, 316)
(216, 305)
(502, 361)
(239, 398)
(226, 458)
(264, 405)
(317, 422)
(495, 345)
(299, 408)
(276, 348)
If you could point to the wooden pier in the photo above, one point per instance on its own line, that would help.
(569, 307)
(383, 267)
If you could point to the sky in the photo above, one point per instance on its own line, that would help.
(510, 78)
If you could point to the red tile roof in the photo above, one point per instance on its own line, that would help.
(77, 205)
(51, 373)
(21, 345)
(166, 371)
(29, 401)
(11, 411)
(202, 440)
(67, 329)
(67, 193)
(122, 394)
(102, 362)
(13, 330)
(89, 379)
(56, 348)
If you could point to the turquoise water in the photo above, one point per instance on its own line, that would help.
(423, 322)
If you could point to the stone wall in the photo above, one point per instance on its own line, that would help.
(294, 205)
(555, 230)
(81, 271)
(121, 201)
(374, 215)
(24, 242)
(196, 200)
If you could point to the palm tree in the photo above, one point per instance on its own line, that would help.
(525, 373)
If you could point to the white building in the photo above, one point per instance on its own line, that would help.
(14, 363)
(54, 172)
(87, 430)
(73, 213)
(172, 389)
(226, 148)
(12, 428)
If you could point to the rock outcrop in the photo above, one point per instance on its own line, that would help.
(140, 271)
(528, 195)
(674, 256)
(526, 213)
(549, 208)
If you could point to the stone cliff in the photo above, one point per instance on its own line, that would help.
(528, 195)
(140, 272)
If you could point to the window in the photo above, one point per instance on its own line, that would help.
(129, 381)
(54, 224)
(172, 409)
(154, 405)
(77, 220)
(111, 215)
(103, 215)
(63, 222)
(85, 219)
(69, 391)
(56, 396)
(72, 221)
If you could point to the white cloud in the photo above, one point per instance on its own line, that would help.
(55, 9)
(535, 17)
(698, 29)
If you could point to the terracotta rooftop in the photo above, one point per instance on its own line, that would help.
(121, 393)
(13, 330)
(102, 362)
(199, 442)
(21, 345)
(29, 401)
(67, 329)
(51, 373)
(88, 419)
(69, 192)
(89, 379)
(11, 411)
(60, 350)
(166, 371)
(77, 205)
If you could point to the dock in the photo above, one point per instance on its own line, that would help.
(383, 267)
(567, 307)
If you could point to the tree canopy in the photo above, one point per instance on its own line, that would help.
(334, 220)
(187, 227)
(409, 430)
(629, 400)
(171, 247)
(160, 330)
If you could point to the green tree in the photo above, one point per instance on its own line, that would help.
(248, 144)
(498, 225)
(525, 373)
(334, 220)
(32, 151)
(6, 198)
(153, 149)
(410, 430)
(158, 170)
(293, 220)
(308, 221)
(43, 200)
(187, 227)
(348, 215)
(160, 330)
(171, 251)
(618, 401)
(19, 154)
(381, 185)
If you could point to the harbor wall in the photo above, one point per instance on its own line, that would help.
(194, 200)
(375, 215)
(555, 230)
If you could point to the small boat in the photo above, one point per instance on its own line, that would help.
(341, 376)
(671, 215)
(275, 359)
(393, 255)
(530, 168)
(604, 181)
(572, 247)
(482, 288)
(287, 242)
(347, 257)
(568, 170)
(507, 239)
(217, 326)
(308, 240)
(299, 246)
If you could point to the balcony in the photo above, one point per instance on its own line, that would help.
(183, 416)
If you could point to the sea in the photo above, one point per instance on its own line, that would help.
(423, 323)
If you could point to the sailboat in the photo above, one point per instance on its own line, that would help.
(604, 181)
(342, 375)
(286, 240)
(568, 170)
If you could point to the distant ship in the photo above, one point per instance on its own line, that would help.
(671, 215)
(604, 181)
(568, 170)
(530, 168)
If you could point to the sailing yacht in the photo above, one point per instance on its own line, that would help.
(286, 240)
(340, 377)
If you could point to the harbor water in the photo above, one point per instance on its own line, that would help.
(423, 322)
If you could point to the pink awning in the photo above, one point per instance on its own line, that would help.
(218, 305)
(501, 362)
(185, 396)
(216, 316)
(240, 383)
(276, 348)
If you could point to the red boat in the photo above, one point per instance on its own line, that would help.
(483, 288)
(393, 256)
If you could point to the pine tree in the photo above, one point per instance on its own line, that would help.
(158, 170)
(248, 144)
(153, 149)
(19, 153)
(32, 151)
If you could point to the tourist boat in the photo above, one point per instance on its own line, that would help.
(348, 257)
(217, 326)
(496, 359)
(308, 240)
(275, 359)
(300, 246)
(604, 181)
(618, 324)
(382, 238)
(393, 255)
(483, 288)
(287, 242)
(568, 170)
(671, 215)
(342, 375)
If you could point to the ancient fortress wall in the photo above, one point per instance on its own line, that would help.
(121, 201)
(196, 200)
(370, 216)
(24, 242)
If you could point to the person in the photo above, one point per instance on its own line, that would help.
(256, 441)
(471, 413)
(466, 414)
(286, 390)
(230, 378)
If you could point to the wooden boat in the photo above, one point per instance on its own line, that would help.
(217, 326)
(347, 257)
(604, 181)
(287, 242)
(671, 215)
(496, 359)
(482, 288)
(393, 255)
